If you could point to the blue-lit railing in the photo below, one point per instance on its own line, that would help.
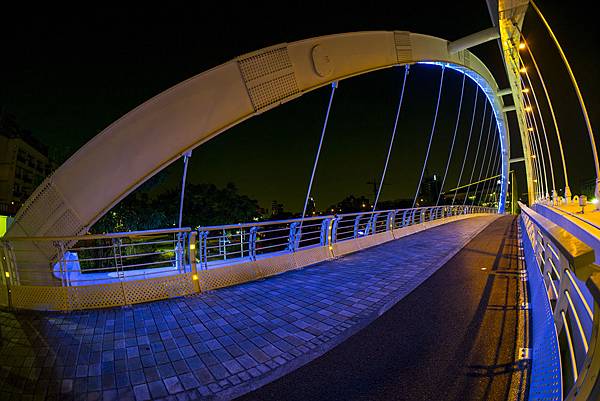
(88, 271)
(564, 286)
(232, 243)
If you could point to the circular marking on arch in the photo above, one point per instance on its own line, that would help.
(321, 61)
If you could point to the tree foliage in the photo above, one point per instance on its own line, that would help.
(204, 204)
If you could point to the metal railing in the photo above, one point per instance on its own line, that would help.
(564, 265)
(96, 259)
(88, 271)
(233, 243)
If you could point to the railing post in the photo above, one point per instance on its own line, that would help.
(372, 225)
(334, 228)
(292, 238)
(60, 254)
(252, 242)
(389, 222)
(202, 251)
(179, 262)
(241, 242)
(356, 225)
(325, 233)
(5, 272)
(192, 256)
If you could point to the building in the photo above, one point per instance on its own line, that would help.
(430, 190)
(24, 164)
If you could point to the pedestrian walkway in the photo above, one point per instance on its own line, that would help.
(218, 344)
(458, 336)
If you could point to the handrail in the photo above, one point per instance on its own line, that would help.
(579, 254)
(556, 253)
(320, 217)
(125, 234)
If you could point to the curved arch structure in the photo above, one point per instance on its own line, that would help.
(161, 130)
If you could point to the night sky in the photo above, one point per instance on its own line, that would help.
(66, 75)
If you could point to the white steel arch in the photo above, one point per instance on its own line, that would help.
(161, 130)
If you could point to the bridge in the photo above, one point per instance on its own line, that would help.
(461, 297)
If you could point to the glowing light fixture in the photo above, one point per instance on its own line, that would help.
(522, 45)
(523, 70)
(528, 109)
(533, 156)
(195, 277)
(192, 246)
(530, 129)
(525, 90)
(594, 201)
(7, 274)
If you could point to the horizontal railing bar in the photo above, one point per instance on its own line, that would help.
(127, 234)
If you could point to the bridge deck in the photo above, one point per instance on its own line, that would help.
(456, 337)
(232, 340)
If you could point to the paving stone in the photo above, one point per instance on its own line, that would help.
(199, 345)
(141, 392)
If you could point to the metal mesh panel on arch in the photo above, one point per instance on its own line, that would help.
(269, 76)
(403, 47)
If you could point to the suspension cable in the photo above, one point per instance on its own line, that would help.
(538, 141)
(543, 124)
(477, 151)
(406, 69)
(536, 163)
(487, 141)
(549, 101)
(462, 91)
(536, 169)
(492, 160)
(577, 91)
(497, 153)
(560, 146)
(437, 106)
(542, 171)
(312, 176)
(468, 142)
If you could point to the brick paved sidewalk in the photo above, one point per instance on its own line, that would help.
(219, 344)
